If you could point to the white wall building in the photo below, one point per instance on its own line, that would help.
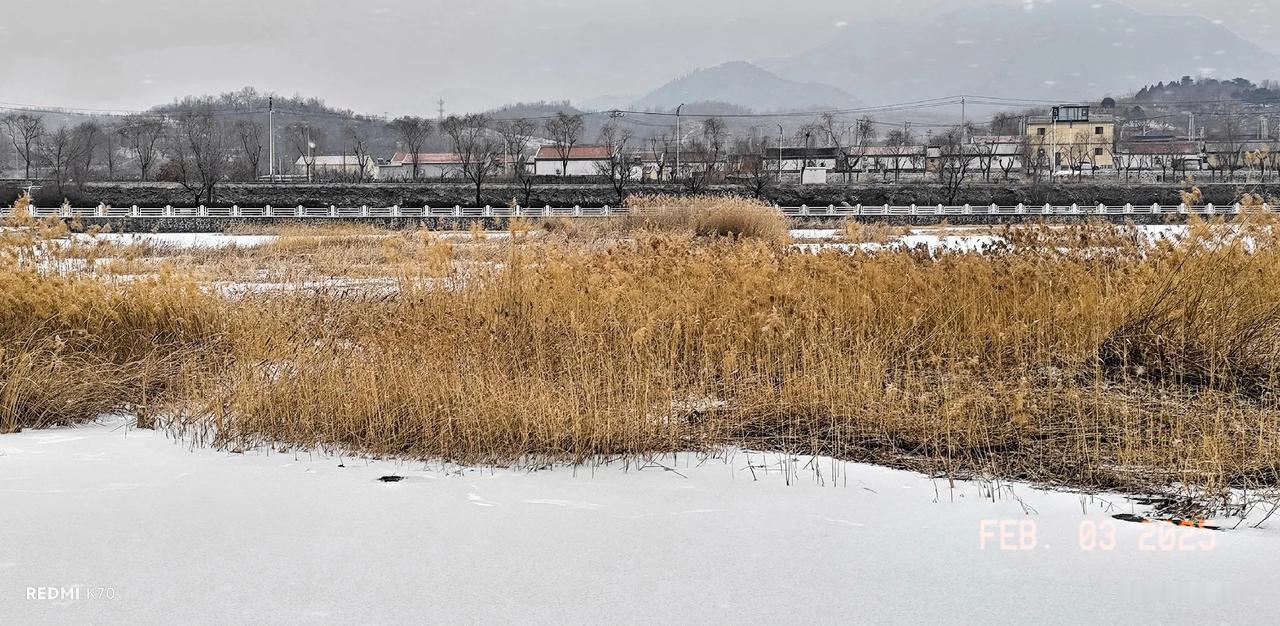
(582, 161)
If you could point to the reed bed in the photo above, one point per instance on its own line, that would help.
(1092, 358)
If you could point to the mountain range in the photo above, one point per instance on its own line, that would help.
(1065, 50)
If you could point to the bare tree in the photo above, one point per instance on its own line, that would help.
(1006, 124)
(25, 131)
(834, 131)
(358, 140)
(901, 145)
(1232, 155)
(142, 136)
(759, 177)
(831, 128)
(660, 146)
(109, 145)
(517, 136)
(1124, 160)
(200, 149)
(715, 141)
(617, 168)
(412, 133)
(953, 162)
(62, 150)
(249, 134)
(566, 131)
(1035, 158)
(307, 142)
(988, 153)
(473, 143)
(88, 137)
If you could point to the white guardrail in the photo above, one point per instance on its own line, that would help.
(333, 212)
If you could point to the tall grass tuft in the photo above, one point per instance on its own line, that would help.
(1078, 354)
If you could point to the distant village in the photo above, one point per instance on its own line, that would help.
(201, 143)
(1073, 141)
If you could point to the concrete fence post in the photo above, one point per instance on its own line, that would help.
(168, 210)
(133, 211)
(235, 210)
(102, 210)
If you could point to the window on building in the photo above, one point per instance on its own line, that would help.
(1097, 152)
(1097, 130)
(1040, 131)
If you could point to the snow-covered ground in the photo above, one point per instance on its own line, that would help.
(139, 528)
(182, 240)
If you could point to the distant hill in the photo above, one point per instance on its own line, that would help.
(748, 86)
(1065, 50)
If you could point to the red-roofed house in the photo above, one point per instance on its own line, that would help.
(580, 161)
(1162, 156)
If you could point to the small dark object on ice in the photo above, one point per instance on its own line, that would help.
(1130, 517)
(391, 479)
(1186, 523)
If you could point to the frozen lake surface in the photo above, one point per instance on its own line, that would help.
(181, 535)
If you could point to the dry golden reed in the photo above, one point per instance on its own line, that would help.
(1082, 354)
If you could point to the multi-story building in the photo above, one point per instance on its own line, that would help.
(1076, 137)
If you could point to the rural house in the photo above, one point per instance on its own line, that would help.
(581, 160)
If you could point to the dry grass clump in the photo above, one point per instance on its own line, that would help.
(309, 229)
(854, 231)
(73, 346)
(1039, 366)
(707, 216)
(1142, 367)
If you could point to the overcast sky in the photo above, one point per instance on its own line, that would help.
(400, 56)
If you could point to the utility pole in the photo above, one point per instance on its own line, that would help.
(1191, 126)
(679, 140)
(271, 124)
(964, 119)
(441, 110)
(782, 138)
(1053, 154)
(311, 157)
